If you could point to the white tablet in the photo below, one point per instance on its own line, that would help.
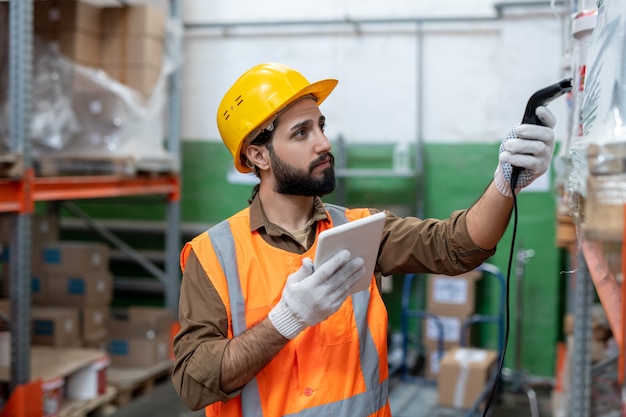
(361, 237)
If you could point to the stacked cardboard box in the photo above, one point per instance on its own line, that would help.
(77, 276)
(452, 300)
(71, 285)
(141, 337)
(44, 229)
(73, 26)
(133, 45)
(126, 42)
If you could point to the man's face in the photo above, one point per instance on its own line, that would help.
(300, 152)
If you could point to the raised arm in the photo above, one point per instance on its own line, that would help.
(527, 146)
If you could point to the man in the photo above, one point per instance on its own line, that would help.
(263, 333)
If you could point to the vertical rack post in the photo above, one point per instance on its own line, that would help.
(172, 233)
(20, 97)
(581, 358)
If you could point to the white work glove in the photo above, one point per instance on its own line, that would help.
(310, 297)
(529, 147)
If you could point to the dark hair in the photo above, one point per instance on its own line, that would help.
(263, 138)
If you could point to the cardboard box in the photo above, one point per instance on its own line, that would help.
(133, 45)
(566, 233)
(5, 308)
(452, 295)
(94, 322)
(160, 318)
(73, 26)
(452, 326)
(98, 340)
(142, 338)
(44, 228)
(79, 289)
(66, 15)
(81, 48)
(463, 374)
(142, 78)
(55, 326)
(5, 349)
(132, 51)
(75, 257)
(38, 286)
(135, 20)
(141, 351)
(36, 259)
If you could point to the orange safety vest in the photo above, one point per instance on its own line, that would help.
(337, 367)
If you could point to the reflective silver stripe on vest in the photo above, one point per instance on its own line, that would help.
(337, 213)
(224, 245)
(365, 403)
(370, 365)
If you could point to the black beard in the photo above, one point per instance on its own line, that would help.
(293, 181)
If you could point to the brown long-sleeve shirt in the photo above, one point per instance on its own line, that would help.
(409, 245)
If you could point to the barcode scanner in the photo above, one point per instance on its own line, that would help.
(540, 98)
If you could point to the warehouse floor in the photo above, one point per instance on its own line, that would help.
(406, 399)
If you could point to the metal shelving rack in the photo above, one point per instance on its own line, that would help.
(593, 272)
(18, 195)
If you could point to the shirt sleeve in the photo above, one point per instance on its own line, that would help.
(199, 345)
(412, 245)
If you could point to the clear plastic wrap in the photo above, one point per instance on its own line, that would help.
(599, 158)
(81, 112)
(53, 122)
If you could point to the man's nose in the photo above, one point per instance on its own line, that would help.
(322, 142)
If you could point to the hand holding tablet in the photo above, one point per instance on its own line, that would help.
(361, 237)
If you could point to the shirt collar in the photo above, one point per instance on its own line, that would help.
(258, 219)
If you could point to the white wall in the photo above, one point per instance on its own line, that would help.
(476, 74)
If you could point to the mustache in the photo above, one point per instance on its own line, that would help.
(322, 159)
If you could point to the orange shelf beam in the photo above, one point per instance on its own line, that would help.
(19, 195)
(16, 194)
(71, 188)
(608, 289)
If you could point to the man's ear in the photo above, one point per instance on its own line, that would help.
(257, 155)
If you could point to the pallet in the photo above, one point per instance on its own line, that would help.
(65, 165)
(49, 362)
(100, 406)
(132, 382)
(86, 164)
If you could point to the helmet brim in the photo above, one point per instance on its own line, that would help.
(319, 89)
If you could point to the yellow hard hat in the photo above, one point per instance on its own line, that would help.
(256, 97)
